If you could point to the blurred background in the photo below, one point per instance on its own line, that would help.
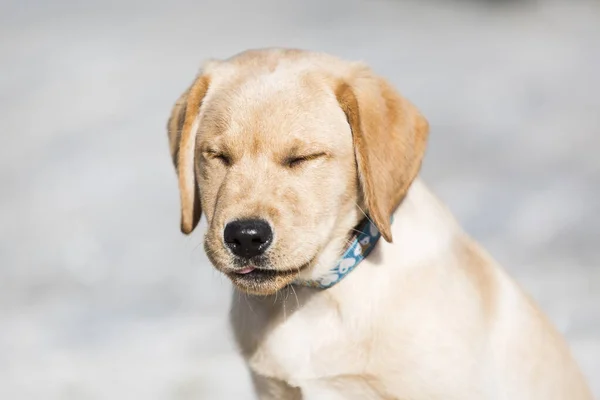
(101, 296)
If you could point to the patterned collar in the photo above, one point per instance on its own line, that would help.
(361, 244)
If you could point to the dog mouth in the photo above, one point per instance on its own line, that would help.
(263, 281)
(260, 274)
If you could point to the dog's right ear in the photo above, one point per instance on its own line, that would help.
(182, 129)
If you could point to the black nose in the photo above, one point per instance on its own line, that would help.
(248, 238)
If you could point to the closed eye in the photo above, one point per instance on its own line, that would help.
(224, 158)
(296, 161)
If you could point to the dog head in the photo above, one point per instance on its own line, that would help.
(285, 151)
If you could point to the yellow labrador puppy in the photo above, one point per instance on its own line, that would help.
(301, 162)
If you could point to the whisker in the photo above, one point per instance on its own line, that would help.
(295, 295)
(237, 297)
(283, 302)
(364, 213)
(196, 247)
(248, 303)
(356, 230)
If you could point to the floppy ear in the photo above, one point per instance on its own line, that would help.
(182, 128)
(389, 136)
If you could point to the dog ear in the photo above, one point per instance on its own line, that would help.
(182, 129)
(389, 136)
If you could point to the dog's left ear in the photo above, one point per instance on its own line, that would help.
(389, 136)
(182, 129)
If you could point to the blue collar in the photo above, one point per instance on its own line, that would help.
(362, 242)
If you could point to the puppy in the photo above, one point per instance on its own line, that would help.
(352, 281)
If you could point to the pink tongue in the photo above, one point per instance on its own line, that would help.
(246, 270)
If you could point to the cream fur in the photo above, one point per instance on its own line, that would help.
(410, 322)
(427, 316)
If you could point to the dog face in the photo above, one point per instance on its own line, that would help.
(276, 171)
(284, 150)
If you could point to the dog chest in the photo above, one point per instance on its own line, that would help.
(308, 343)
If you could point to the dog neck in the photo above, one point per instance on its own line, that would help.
(363, 239)
(421, 227)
